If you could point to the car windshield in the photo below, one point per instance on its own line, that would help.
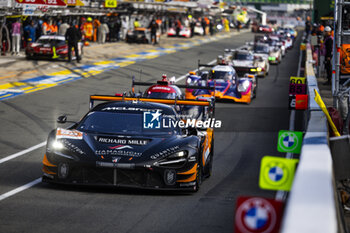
(261, 49)
(161, 95)
(221, 75)
(243, 56)
(139, 33)
(125, 123)
(51, 41)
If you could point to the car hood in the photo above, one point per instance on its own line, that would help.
(126, 149)
(220, 85)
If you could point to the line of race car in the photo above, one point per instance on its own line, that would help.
(160, 138)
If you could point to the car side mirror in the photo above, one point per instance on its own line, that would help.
(62, 119)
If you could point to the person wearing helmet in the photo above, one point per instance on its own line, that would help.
(328, 53)
(88, 29)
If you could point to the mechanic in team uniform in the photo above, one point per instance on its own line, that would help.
(73, 36)
(328, 49)
(153, 26)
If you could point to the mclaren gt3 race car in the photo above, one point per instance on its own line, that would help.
(132, 142)
(227, 84)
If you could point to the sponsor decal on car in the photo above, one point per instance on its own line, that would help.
(122, 141)
(129, 109)
(165, 152)
(69, 134)
(120, 147)
(161, 88)
(118, 152)
(73, 147)
(115, 159)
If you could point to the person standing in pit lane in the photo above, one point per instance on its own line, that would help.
(73, 36)
(63, 28)
(16, 37)
(30, 31)
(125, 28)
(154, 27)
(328, 48)
(103, 30)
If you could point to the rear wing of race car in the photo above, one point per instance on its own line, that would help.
(204, 102)
(148, 84)
(205, 65)
(242, 70)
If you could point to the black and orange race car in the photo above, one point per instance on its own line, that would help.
(133, 142)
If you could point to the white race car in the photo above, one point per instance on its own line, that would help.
(184, 32)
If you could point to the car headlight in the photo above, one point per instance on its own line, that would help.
(178, 155)
(189, 81)
(177, 158)
(242, 87)
(57, 145)
(258, 69)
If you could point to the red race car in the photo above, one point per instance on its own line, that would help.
(49, 47)
(265, 29)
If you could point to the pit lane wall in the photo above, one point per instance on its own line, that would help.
(311, 206)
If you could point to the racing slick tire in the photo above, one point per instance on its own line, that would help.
(256, 88)
(209, 168)
(198, 178)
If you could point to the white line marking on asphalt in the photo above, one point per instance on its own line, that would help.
(20, 189)
(22, 152)
(11, 90)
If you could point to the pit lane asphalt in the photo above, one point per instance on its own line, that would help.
(250, 132)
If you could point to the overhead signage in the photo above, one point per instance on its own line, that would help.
(258, 215)
(74, 2)
(36, 2)
(289, 141)
(111, 3)
(55, 2)
(277, 173)
(43, 2)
